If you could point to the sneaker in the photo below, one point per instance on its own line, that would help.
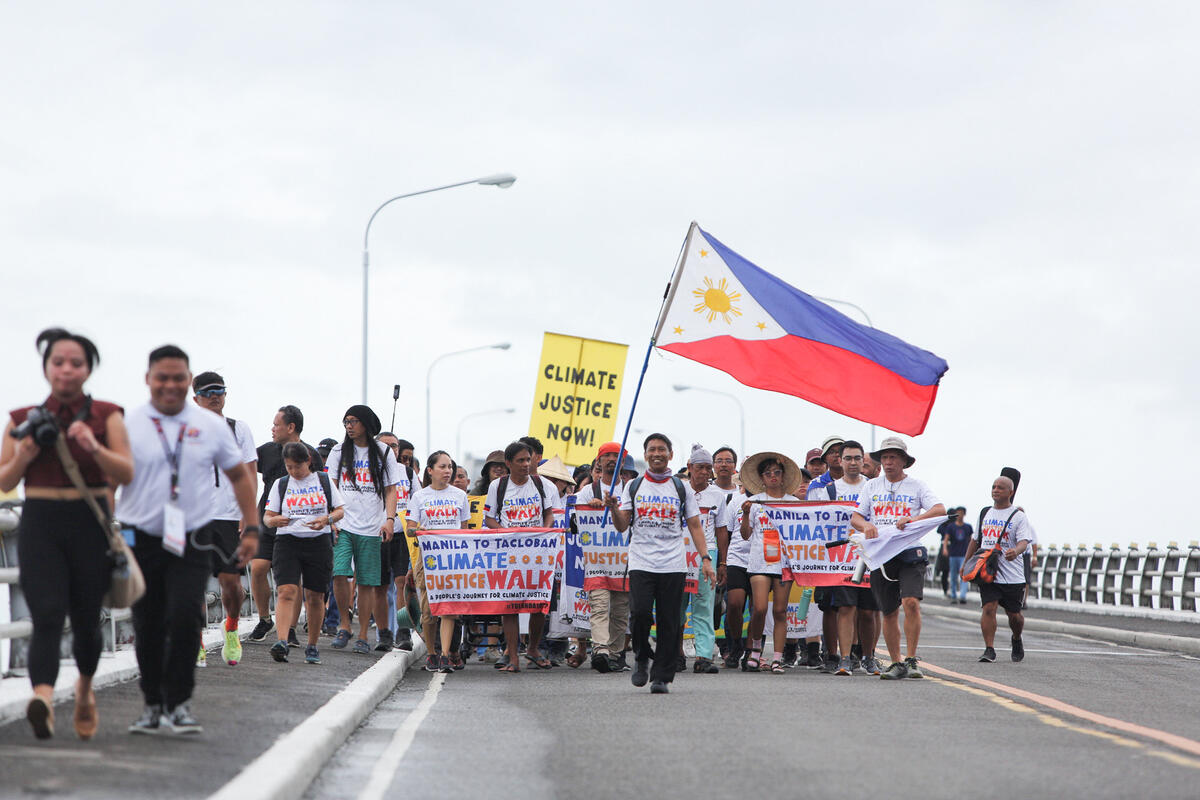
(385, 642)
(292, 640)
(404, 640)
(989, 655)
(641, 674)
(180, 721)
(914, 671)
(312, 655)
(618, 663)
(444, 665)
(341, 640)
(872, 666)
(264, 626)
(814, 660)
(329, 629)
(279, 651)
(704, 666)
(845, 667)
(681, 664)
(361, 647)
(202, 658)
(431, 663)
(149, 722)
(1018, 649)
(659, 687)
(896, 671)
(829, 665)
(231, 651)
(601, 662)
(40, 715)
(855, 664)
(491, 655)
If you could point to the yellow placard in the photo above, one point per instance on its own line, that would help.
(578, 391)
(476, 502)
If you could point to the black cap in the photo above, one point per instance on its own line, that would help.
(207, 380)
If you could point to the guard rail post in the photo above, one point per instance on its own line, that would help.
(1129, 573)
(1152, 563)
(1191, 571)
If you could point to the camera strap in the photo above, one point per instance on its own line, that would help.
(71, 467)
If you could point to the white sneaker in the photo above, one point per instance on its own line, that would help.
(491, 655)
(202, 659)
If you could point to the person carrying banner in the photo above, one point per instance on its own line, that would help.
(854, 608)
(1008, 526)
(711, 502)
(657, 509)
(303, 506)
(895, 498)
(440, 506)
(610, 607)
(394, 555)
(366, 472)
(521, 500)
(768, 477)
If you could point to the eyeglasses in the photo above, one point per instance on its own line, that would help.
(348, 421)
(211, 392)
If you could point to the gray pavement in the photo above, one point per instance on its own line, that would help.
(1080, 614)
(243, 709)
(549, 734)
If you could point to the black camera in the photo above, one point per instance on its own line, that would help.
(40, 424)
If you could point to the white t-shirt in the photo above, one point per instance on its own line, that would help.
(1019, 529)
(522, 506)
(711, 502)
(738, 554)
(882, 502)
(224, 502)
(405, 488)
(849, 492)
(756, 559)
(587, 493)
(657, 539)
(438, 510)
(305, 502)
(207, 440)
(365, 510)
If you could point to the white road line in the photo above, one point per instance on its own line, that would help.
(389, 762)
(1043, 650)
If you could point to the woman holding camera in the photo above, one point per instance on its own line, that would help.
(61, 547)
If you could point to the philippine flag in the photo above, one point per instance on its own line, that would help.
(725, 312)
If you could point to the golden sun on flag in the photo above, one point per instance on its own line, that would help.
(717, 300)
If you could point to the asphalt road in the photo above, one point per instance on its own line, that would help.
(243, 709)
(550, 734)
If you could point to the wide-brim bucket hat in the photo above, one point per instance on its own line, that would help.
(752, 482)
(897, 444)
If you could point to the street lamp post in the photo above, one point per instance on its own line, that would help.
(429, 376)
(741, 410)
(867, 317)
(503, 180)
(458, 453)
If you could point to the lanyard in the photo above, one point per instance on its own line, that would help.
(172, 458)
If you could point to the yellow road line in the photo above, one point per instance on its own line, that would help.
(964, 683)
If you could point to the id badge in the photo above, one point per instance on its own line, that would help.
(174, 535)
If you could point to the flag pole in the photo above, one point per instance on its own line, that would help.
(668, 297)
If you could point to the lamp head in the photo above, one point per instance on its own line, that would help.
(502, 346)
(679, 387)
(502, 179)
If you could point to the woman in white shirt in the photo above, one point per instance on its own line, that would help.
(767, 477)
(440, 506)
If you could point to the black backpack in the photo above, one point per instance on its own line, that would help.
(636, 484)
(216, 472)
(323, 477)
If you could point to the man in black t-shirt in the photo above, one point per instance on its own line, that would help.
(955, 536)
(286, 427)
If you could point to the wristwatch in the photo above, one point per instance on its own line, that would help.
(706, 558)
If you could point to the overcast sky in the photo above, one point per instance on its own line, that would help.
(1011, 186)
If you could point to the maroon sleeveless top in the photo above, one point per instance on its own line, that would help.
(46, 470)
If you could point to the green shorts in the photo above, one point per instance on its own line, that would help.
(363, 551)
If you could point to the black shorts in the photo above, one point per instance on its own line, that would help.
(266, 543)
(736, 578)
(907, 580)
(223, 536)
(393, 559)
(306, 562)
(853, 597)
(1009, 595)
(823, 597)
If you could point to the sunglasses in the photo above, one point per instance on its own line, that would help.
(211, 392)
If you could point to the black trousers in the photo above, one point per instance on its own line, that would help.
(664, 590)
(168, 620)
(65, 570)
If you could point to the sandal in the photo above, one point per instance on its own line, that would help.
(753, 662)
(510, 668)
(777, 667)
(576, 659)
(539, 661)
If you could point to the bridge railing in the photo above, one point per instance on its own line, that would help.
(1156, 578)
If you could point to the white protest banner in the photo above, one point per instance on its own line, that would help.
(605, 550)
(796, 628)
(804, 529)
(573, 617)
(493, 571)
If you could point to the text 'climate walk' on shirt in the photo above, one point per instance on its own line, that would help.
(304, 503)
(656, 544)
(522, 506)
(1019, 530)
(365, 510)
